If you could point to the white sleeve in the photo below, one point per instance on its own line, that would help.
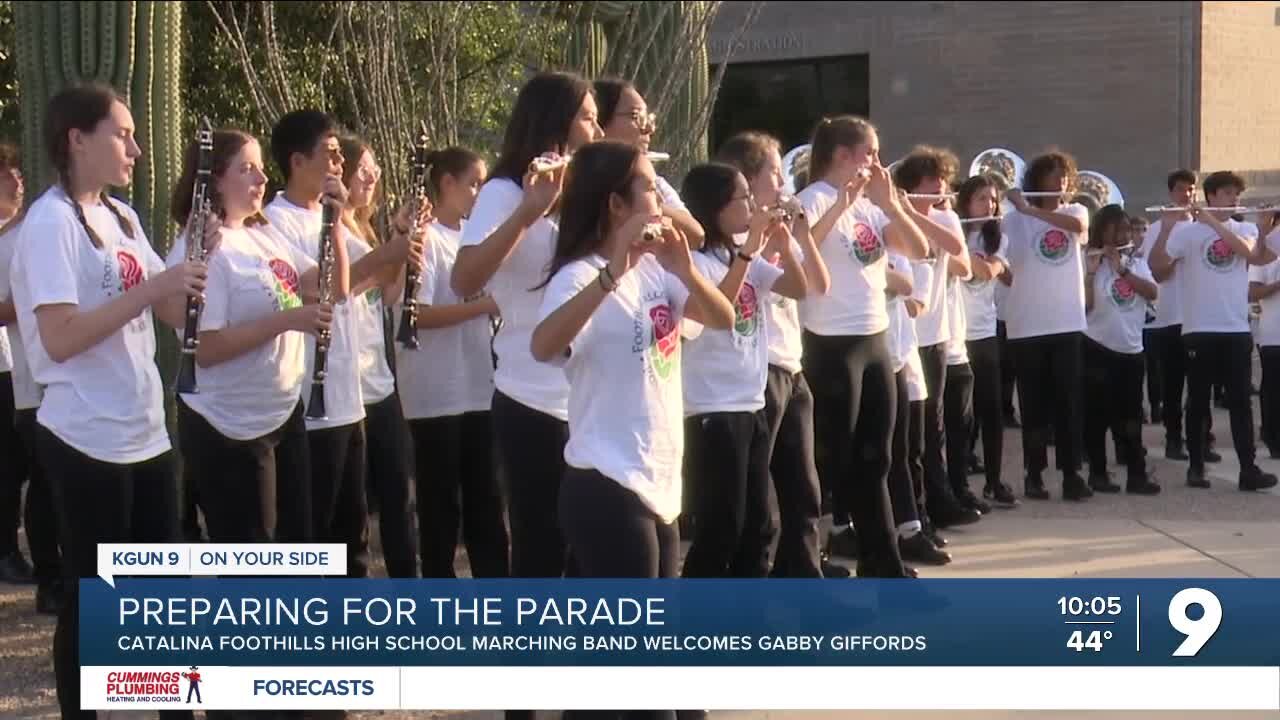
(762, 274)
(668, 195)
(564, 286)
(431, 269)
(155, 265)
(879, 221)
(1140, 268)
(1176, 246)
(815, 205)
(214, 314)
(921, 280)
(677, 294)
(6, 261)
(1262, 273)
(497, 201)
(1081, 213)
(49, 253)
(1273, 241)
(178, 251)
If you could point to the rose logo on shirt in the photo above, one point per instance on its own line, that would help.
(1219, 255)
(130, 270)
(1122, 293)
(866, 247)
(666, 340)
(286, 284)
(1054, 246)
(746, 311)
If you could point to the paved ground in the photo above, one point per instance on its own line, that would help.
(1219, 532)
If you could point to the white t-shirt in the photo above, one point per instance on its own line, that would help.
(1215, 281)
(107, 401)
(452, 370)
(934, 324)
(726, 370)
(1047, 296)
(538, 385)
(855, 254)
(1268, 331)
(786, 342)
(902, 329)
(26, 393)
(1168, 300)
(1119, 312)
(921, 284)
(668, 195)
(376, 381)
(626, 409)
(957, 348)
(344, 401)
(980, 295)
(254, 273)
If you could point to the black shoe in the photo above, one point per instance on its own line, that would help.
(975, 465)
(15, 570)
(954, 514)
(869, 569)
(1211, 456)
(832, 570)
(49, 598)
(843, 543)
(1033, 487)
(1174, 451)
(1102, 483)
(968, 499)
(1011, 421)
(917, 548)
(931, 532)
(1075, 488)
(1196, 478)
(1252, 478)
(1142, 485)
(1000, 495)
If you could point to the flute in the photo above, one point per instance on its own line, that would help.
(543, 164)
(931, 196)
(984, 218)
(1234, 209)
(201, 202)
(1095, 252)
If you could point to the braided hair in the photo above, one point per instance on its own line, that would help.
(80, 107)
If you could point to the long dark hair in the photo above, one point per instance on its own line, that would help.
(226, 144)
(1106, 217)
(598, 171)
(609, 92)
(990, 229)
(353, 147)
(1041, 167)
(79, 107)
(831, 133)
(540, 121)
(706, 190)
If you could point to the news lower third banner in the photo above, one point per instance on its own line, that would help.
(307, 643)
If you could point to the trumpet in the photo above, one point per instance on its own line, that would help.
(201, 203)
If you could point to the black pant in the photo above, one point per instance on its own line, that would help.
(988, 401)
(727, 464)
(788, 408)
(901, 488)
(1270, 396)
(13, 469)
(251, 491)
(1155, 372)
(531, 450)
(915, 455)
(99, 502)
(1049, 385)
(340, 505)
(1227, 358)
(958, 415)
(457, 485)
(933, 359)
(1113, 400)
(1008, 375)
(854, 412)
(612, 533)
(39, 515)
(1166, 344)
(387, 452)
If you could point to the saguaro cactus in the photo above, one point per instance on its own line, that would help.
(136, 48)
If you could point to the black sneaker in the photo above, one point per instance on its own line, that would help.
(832, 570)
(1142, 485)
(1075, 488)
(954, 514)
(1253, 478)
(1174, 451)
(1000, 495)
(1211, 456)
(1033, 487)
(931, 532)
(968, 499)
(1196, 478)
(917, 548)
(15, 569)
(843, 543)
(1101, 482)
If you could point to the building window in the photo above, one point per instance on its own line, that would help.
(787, 98)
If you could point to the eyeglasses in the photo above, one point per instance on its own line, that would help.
(646, 123)
(369, 172)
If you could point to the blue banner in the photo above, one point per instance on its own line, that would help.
(382, 623)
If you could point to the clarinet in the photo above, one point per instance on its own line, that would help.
(408, 333)
(315, 408)
(200, 206)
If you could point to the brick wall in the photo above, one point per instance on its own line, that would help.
(1112, 83)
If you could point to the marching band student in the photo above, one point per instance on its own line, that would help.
(386, 433)
(505, 248)
(624, 116)
(243, 441)
(725, 372)
(788, 402)
(1046, 320)
(610, 317)
(1138, 227)
(1116, 292)
(845, 346)
(958, 399)
(1164, 335)
(928, 171)
(446, 386)
(988, 246)
(1264, 281)
(1215, 319)
(86, 285)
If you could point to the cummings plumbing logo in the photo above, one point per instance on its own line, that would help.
(154, 686)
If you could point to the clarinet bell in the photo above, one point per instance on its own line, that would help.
(315, 408)
(407, 335)
(186, 382)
